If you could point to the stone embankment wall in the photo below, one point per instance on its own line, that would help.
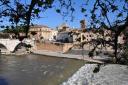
(67, 47)
(49, 46)
(55, 47)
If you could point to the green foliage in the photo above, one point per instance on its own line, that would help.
(72, 9)
(83, 10)
(93, 16)
(114, 8)
(22, 13)
(40, 3)
(12, 29)
(49, 2)
(58, 10)
(120, 15)
(36, 11)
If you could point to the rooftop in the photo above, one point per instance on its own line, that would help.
(39, 26)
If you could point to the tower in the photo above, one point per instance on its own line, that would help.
(83, 25)
(82, 22)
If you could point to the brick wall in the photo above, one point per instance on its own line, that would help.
(55, 47)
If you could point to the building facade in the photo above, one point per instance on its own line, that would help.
(91, 37)
(41, 32)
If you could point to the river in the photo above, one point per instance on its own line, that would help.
(34, 69)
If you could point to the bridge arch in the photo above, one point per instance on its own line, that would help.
(3, 48)
(12, 44)
(20, 46)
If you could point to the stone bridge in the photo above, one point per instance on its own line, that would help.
(11, 44)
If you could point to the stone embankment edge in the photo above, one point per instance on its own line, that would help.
(60, 54)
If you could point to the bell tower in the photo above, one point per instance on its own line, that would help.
(83, 25)
(82, 22)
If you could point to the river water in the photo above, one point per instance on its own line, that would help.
(34, 69)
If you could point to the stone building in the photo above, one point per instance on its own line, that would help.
(39, 32)
(90, 36)
(63, 27)
(64, 34)
(64, 37)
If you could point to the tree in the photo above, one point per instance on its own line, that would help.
(15, 30)
(22, 13)
(99, 15)
(106, 7)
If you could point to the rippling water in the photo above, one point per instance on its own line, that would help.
(36, 69)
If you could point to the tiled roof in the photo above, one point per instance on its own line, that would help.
(39, 26)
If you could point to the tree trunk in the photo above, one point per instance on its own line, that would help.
(115, 60)
(27, 28)
(28, 16)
